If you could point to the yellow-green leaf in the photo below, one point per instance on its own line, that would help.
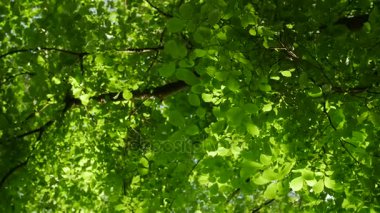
(267, 107)
(318, 187)
(271, 191)
(253, 129)
(265, 159)
(296, 184)
(127, 95)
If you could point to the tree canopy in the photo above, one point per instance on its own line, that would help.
(190, 106)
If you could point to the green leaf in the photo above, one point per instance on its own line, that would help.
(363, 117)
(187, 76)
(234, 116)
(271, 191)
(265, 87)
(186, 63)
(192, 130)
(329, 183)
(176, 118)
(121, 207)
(202, 34)
(307, 174)
(186, 10)
(337, 118)
(144, 162)
(286, 73)
(252, 129)
(287, 167)
(374, 117)
(207, 97)
(85, 99)
(127, 95)
(267, 107)
(318, 187)
(346, 204)
(167, 70)
(311, 182)
(296, 184)
(198, 53)
(175, 25)
(233, 85)
(265, 159)
(175, 49)
(260, 180)
(197, 89)
(213, 16)
(40, 60)
(252, 31)
(270, 174)
(194, 100)
(315, 92)
(251, 108)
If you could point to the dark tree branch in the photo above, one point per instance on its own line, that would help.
(11, 171)
(18, 74)
(262, 206)
(70, 101)
(232, 195)
(37, 49)
(81, 55)
(328, 116)
(236, 191)
(158, 92)
(159, 10)
(40, 130)
(142, 49)
(353, 23)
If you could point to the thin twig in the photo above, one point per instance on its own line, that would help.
(263, 205)
(328, 116)
(141, 49)
(39, 130)
(349, 153)
(340, 140)
(159, 10)
(232, 195)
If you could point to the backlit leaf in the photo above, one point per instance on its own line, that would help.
(296, 184)
(271, 191)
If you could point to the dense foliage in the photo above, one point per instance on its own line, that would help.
(190, 105)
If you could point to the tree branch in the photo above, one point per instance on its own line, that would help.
(40, 130)
(158, 92)
(78, 54)
(262, 205)
(11, 171)
(349, 153)
(328, 116)
(232, 195)
(159, 10)
(340, 140)
(142, 49)
(37, 49)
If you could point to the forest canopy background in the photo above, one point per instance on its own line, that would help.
(189, 105)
